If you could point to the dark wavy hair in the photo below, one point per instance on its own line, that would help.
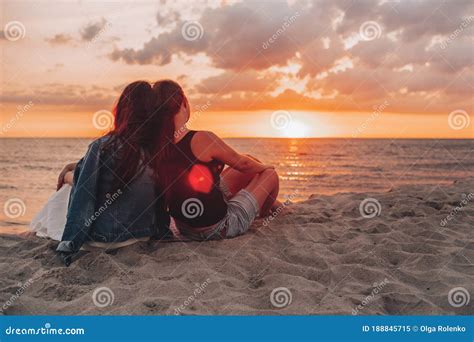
(133, 133)
(144, 129)
(170, 98)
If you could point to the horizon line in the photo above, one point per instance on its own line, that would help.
(265, 137)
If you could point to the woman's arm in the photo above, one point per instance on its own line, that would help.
(68, 168)
(209, 146)
(82, 204)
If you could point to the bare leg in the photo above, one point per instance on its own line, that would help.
(236, 181)
(264, 187)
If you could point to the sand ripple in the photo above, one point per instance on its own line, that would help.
(323, 256)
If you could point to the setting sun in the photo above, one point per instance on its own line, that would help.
(339, 84)
(297, 129)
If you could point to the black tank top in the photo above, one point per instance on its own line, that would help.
(194, 195)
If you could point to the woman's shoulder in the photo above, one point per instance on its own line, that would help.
(206, 136)
(100, 145)
(100, 141)
(196, 137)
(204, 145)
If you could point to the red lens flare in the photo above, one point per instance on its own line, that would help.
(200, 178)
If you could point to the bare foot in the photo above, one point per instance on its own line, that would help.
(278, 208)
(283, 208)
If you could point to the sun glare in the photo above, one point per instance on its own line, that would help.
(296, 129)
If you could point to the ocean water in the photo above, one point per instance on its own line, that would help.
(29, 167)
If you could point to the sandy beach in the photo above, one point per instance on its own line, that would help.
(400, 253)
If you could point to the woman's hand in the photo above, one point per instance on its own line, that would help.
(268, 167)
(68, 168)
(69, 178)
(263, 166)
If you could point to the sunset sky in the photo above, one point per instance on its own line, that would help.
(250, 68)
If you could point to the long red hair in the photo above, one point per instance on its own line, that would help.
(133, 131)
(169, 98)
(144, 129)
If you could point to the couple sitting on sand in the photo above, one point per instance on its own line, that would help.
(150, 167)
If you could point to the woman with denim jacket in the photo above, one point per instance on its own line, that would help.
(114, 199)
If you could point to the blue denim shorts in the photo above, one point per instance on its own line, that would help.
(242, 209)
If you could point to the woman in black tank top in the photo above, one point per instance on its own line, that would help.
(189, 167)
(195, 197)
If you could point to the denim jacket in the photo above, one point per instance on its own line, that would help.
(95, 214)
